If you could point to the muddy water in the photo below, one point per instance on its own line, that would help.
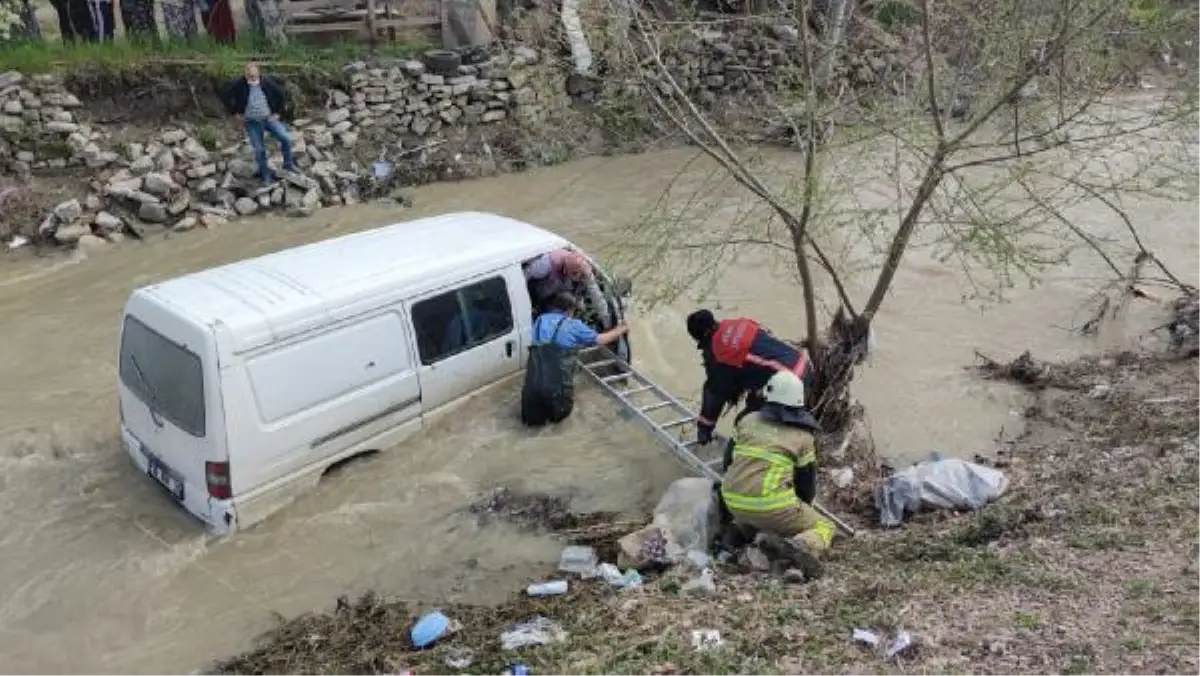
(100, 573)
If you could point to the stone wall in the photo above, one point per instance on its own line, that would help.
(134, 182)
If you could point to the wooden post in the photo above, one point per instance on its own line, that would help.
(371, 25)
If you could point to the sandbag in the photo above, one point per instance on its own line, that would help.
(686, 518)
(944, 483)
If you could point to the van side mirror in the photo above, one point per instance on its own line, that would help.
(622, 287)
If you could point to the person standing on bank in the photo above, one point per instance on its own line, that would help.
(258, 103)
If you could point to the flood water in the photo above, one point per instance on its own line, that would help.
(101, 573)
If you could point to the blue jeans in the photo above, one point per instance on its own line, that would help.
(256, 130)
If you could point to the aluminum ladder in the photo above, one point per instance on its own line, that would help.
(667, 418)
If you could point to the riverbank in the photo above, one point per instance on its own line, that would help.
(1088, 565)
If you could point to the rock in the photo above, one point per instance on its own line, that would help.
(152, 213)
(842, 477)
(141, 166)
(67, 212)
(173, 136)
(794, 576)
(754, 559)
(202, 171)
(61, 116)
(526, 55)
(10, 78)
(179, 204)
(69, 234)
(165, 161)
(206, 187)
(134, 150)
(340, 98)
(341, 127)
(193, 151)
(245, 206)
(431, 79)
(115, 237)
(143, 197)
(91, 244)
(349, 139)
(11, 125)
(241, 168)
(13, 108)
(494, 115)
(335, 116)
(323, 139)
(186, 223)
(212, 220)
(159, 184)
(61, 127)
(92, 202)
(25, 156)
(106, 222)
(420, 125)
(1100, 391)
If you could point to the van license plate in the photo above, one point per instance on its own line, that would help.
(165, 477)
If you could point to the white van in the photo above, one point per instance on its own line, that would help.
(240, 385)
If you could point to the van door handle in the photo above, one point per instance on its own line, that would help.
(508, 349)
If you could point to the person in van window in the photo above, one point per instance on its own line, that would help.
(549, 391)
(559, 271)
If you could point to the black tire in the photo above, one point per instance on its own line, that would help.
(442, 62)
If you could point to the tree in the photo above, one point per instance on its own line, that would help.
(1001, 118)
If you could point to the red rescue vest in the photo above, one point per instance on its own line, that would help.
(732, 340)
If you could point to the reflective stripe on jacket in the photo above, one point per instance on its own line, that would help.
(765, 456)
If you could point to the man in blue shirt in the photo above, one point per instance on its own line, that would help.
(574, 333)
(549, 391)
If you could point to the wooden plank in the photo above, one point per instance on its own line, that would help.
(393, 22)
(310, 17)
(326, 27)
(313, 5)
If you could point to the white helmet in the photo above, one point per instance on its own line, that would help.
(786, 389)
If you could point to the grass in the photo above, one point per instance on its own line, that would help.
(217, 59)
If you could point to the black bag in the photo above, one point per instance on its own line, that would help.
(549, 391)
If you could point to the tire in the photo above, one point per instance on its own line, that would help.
(442, 62)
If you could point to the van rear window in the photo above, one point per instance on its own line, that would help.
(165, 376)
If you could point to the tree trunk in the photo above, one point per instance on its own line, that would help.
(274, 22)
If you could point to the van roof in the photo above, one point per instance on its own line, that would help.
(264, 299)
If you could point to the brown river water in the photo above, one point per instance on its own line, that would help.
(101, 573)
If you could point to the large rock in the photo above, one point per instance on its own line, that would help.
(143, 165)
(173, 136)
(159, 184)
(61, 127)
(69, 234)
(212, 220)
(186, 223)
(152, 213)
(245, 206)
(91, 244)
(241, 168)
(106, 222)
(67, 212)
(336, 116)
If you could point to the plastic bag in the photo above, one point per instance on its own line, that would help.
(945, 483)
(686, 519)
(538, 631)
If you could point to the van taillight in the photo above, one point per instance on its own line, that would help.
(216, 474)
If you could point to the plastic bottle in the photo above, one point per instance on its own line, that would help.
(552, 588)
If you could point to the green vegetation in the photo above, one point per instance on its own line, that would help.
(216, 59)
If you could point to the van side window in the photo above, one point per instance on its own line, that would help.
(462, 319)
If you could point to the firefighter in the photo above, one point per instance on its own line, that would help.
(770, 477)
(739, 358)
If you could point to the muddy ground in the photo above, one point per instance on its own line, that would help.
(1088, 564)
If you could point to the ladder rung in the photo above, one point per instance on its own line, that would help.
(619, 376)
(676, 423)
(602, 362)
(654, 407)
(626, 393)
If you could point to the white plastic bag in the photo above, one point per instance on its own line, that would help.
(944, 483)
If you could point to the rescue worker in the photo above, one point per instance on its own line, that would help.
(770, 477)
(739, 358)
(559, 271)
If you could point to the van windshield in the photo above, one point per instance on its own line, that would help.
(166, 377)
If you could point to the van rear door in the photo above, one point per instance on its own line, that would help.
(170, 407)
(468, 336)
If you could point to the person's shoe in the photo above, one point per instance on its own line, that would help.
(795, 551)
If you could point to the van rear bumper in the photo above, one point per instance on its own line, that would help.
(212, 513)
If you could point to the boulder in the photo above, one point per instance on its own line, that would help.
(91, 244)
(212, 220)
(245, 206)
(173, 136)
(159, 184)
(241, 168)
(141, 166)
(152, 213)
(67, 212)
(106, 222)
(70, 234)
(185, 224)
(335, 116)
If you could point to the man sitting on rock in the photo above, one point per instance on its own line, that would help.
(770, 476)
(258, 103)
